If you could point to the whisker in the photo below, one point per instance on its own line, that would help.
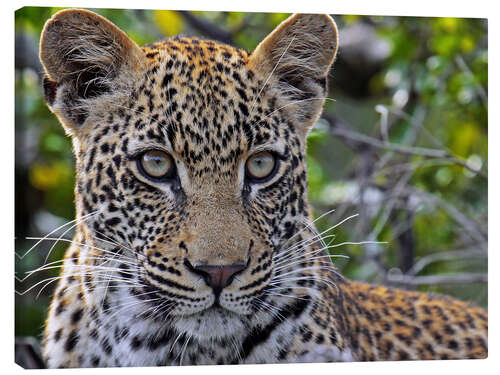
(286, 295)
(50, 280)
(311, 224)
(316, 234)
(107, 286)
(284, 255)
(311, 278)
(82, 244)
(308, 241)
(165, 311)
(295, 102)
(236, 348)
(173, 344)
(287, 265)
(162, 307)
(270, 75)
(54, 265)
(295, 251)
(54, 231)
(283, 287)
(310, 255)
(119, 308)
(62, 235)
(273, 310)
(93, 268)
(311, 268)
(111, 241)
(183, 350)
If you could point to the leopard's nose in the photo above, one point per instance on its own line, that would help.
(217, 276)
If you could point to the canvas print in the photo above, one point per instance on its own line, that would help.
(200, 188)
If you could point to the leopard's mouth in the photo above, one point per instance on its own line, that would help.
(201, 295)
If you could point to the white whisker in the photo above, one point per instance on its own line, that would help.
(270, 75)
(54, 231)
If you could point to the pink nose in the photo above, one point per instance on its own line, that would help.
(218, 276)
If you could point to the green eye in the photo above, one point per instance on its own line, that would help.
(156, 164)
(260, 165)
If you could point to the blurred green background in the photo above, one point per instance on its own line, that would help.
(402, 145)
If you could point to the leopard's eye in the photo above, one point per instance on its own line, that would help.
(156, 164)
(260, 166)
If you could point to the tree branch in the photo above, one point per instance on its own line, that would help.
(356, 140)
(445, 255)
(208, 28)
(472, 227)
(460, 278)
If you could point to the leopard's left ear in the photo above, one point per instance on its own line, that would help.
(299, 54)
(85, 57)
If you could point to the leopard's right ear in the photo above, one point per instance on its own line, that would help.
(85, 57)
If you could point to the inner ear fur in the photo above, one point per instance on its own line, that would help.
(299, 54)
(82, 54)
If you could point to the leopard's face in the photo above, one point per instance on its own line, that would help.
(200, 178)
(191, 165)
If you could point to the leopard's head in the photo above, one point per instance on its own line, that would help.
(190, 158)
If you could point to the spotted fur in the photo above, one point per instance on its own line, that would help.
(128, 294)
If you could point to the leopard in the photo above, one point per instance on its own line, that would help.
(194, 240)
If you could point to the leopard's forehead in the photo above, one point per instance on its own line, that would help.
(204, 102)
(204, 70)
(201, 53)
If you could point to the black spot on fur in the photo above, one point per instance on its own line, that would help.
(71, 341)
(76, 316)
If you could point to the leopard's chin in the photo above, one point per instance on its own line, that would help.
(213, 323)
